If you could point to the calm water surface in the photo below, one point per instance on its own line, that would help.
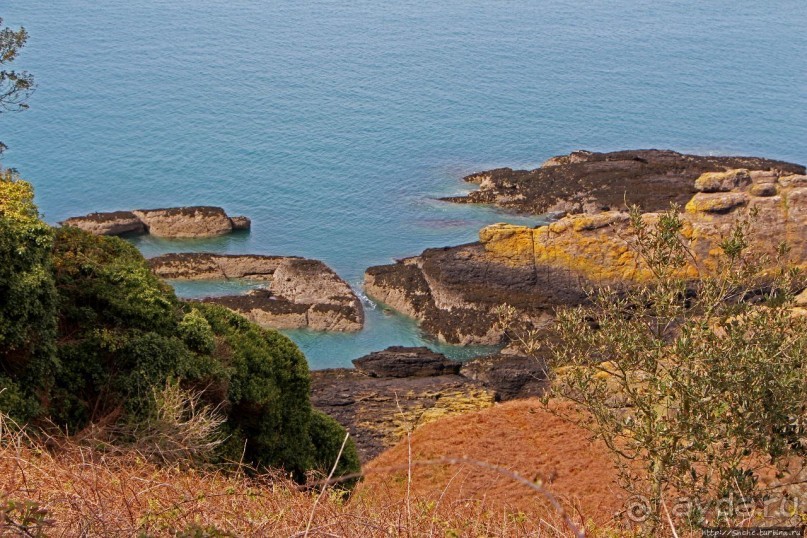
(334, 125)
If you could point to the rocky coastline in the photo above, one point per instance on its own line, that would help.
(454, 291)
(299, 293)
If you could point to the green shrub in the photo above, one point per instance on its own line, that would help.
(327, 436)
(122, 334)
(27, 295)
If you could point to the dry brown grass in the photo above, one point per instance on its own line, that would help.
(78, 491)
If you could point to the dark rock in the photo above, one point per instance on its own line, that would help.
(378, 411)
(398, 361)
(240, 223)
(510, 376)
(588, 182)
(114, 223)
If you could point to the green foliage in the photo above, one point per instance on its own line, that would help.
(122, 334)
(268, 393)
(328, 436)
(23, 518)
(196, 332)
(27, 294)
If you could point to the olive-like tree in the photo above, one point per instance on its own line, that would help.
(15, 86)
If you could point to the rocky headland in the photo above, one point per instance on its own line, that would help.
(393, 391)
(299, 293)
(174, 222)
(585, 181)
(454, 291)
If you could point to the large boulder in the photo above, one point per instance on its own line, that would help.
(585, 181)
(173, 222)
(185, 222)
(398, 361)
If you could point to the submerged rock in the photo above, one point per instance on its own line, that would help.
(585, 181)
(300, 293)
(173, 222)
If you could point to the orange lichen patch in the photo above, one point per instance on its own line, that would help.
(511, 244)
(522, 436)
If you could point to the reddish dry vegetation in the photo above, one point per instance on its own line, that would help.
(520, 436)
(81, 493)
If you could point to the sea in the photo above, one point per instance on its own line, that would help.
(336, 125)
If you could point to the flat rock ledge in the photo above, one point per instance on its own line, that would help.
(585, 181)
(396, 390)
(173, 222)
(299, 293)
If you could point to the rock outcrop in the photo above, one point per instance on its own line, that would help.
(210, 266)
(396, 390)
(454, 292)
(300, 293)
(397, 361)
(174, 222)
(584, 181)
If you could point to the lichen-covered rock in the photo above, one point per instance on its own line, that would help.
(173, 222)
(763, 189)
(114, 223)
(796, 180)
(585, 181)
(454, 292)
(398, 361)
(717, 202)
(722, 181)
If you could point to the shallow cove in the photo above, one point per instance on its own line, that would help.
(333, 125)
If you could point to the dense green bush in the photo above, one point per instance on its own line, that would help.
(27, 297)
(122, 334)
(328, 436)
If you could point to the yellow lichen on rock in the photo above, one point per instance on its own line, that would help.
(510, 243)
(716, 202)
(722, 181)
(596, 246)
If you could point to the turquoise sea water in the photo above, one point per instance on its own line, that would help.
(334, 125)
